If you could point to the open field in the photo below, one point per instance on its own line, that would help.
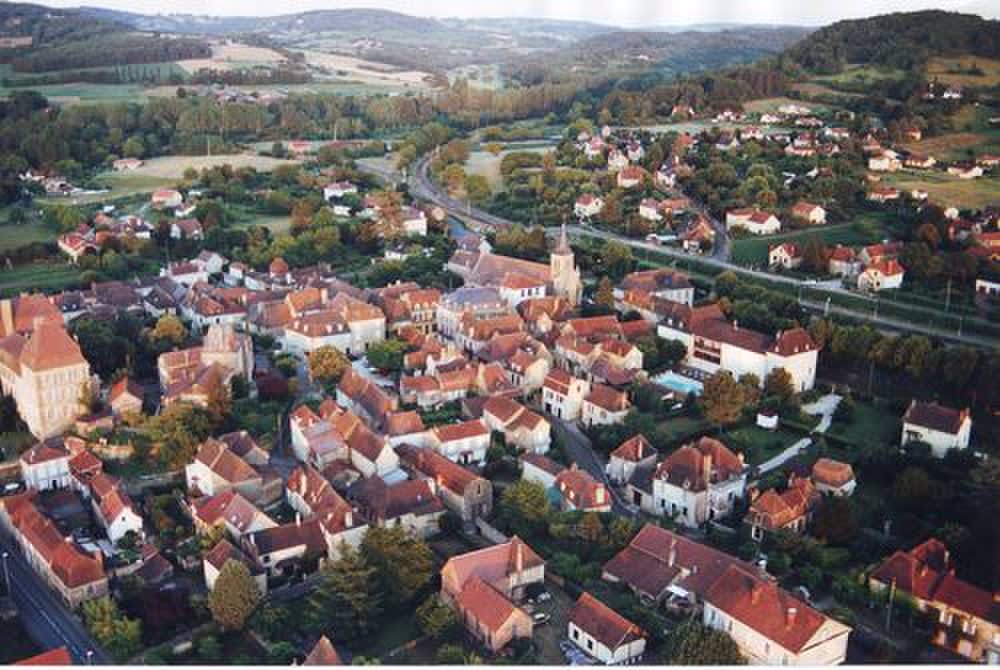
(38, 277)
(233, 56)
(771, 105)
(958, 71)
(957, 146)
(14, 236)
(486, 164)
(754, 250)
(367, 72)
(947, 189)
(173, 167)
(276, 224)
(861, 74)
(812, 89)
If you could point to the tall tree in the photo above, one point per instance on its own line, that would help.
(121, 636)
(347, 603)
(234, 597)
(722, 398)
(403, 563)
(691, 643)
(328, 364)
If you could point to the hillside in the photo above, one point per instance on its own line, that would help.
(902, 40)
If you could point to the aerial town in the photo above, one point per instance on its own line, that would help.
(312, 359)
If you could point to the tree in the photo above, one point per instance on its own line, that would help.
(477, 188)
(778, 384)
(121, 636)
(722, 398)
(328, 364)
(912, 487)
(435, 618)
(494, 148)
(449, 654)
(590, 528)
(605, 296)
(234, 597)
(347, 602)
(691, 643)
(617, 259)
(387, 355)
(178, 430)
(218, 399)
(169, 329)
(403, 563)
(524, 507)
(835, 521)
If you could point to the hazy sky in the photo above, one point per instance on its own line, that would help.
(630, 13)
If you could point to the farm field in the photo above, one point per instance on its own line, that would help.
(38, 277)
(367, 72)
(860, 74)
(950, 190)
(754, 250)
(812, 89)
(771, 105)
(957, 146)
(13, 236)
(958, 71)
(173, 167)
(233, 56)
(276, 224)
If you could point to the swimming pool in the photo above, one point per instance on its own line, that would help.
(678, 383)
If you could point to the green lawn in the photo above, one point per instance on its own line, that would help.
(870, 424)
(754, 250)
(682, 427)
(759, 445)
(276, 224)
(38, 277)
(14, 236)
(390, 635)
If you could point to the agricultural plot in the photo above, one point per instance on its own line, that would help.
(957, 146)
(967, 71)
(950, 190)
(771, 105)
(860, 75)
(367, 72)
(233, 56)
(38, 277)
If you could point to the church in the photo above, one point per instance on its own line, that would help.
(516, 279)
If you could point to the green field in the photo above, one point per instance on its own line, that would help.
(276, 224)
(38, 277)
(771, 105)
(948, 189)
(12, 237)
(869, 424)
(754, 250)
(862, 75)
(486, 164)
(759, 445)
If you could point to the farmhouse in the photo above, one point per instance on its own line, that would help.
(943, 428)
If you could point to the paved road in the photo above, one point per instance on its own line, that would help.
(49, 622)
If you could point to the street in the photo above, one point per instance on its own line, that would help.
(43, 614)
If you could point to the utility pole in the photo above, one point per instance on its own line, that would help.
(947, 297)
(888, 611)
(6, 575)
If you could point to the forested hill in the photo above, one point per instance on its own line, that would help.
(45, 39)
(897, 40)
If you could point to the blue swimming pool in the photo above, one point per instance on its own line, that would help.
(678, 383)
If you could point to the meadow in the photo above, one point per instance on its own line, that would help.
(962, 71)
(948, 189)
(754, 250)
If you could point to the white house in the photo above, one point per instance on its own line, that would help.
(563, 394)
(753, 220)
(943, 428)
(339, 189)
(45, 466)
(881, 275)
(588, 205)
(808, 212)
(699, 482)
(769, 625)
(603, 633)
(464, 443)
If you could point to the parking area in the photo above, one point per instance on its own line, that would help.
(550, 636)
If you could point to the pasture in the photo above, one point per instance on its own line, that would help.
(947, 189)
(13, 236)
(38, 277)
(487, 165)
(771, 105)
(957, 146)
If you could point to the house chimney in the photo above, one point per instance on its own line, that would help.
(706, 466)
(755, 589)
(736, 324)
(672, 557)
(298, 519)
(790, 616)
(518, 556)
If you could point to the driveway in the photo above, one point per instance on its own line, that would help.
(824, 407)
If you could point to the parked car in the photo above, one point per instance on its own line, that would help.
(11, 488)
(540, 618)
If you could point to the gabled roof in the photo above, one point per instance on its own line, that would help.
(50, 347)
(603, 623)
(493, 563)
(445, 472)
(57, 656)
(323, 653)
(936, 417)
(634, 449)
(485, 604)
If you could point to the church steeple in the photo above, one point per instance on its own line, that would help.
(563, 248)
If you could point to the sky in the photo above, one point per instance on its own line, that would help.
(625, 13)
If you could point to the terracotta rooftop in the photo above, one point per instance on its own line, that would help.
(936, 417)
(323, 653)
(831, 472)
(634, 449)
(603, 623)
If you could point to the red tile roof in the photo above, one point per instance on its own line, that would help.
(831, 472)
(634, 449)
(582, 490)
(936, 417)
(603, 623)
(323, 653)
(57, 656)
(765, 608)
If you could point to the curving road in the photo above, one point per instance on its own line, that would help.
(48, 621)
(423, 187)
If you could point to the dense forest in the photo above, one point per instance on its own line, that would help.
(897, 40)
(111, 49)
